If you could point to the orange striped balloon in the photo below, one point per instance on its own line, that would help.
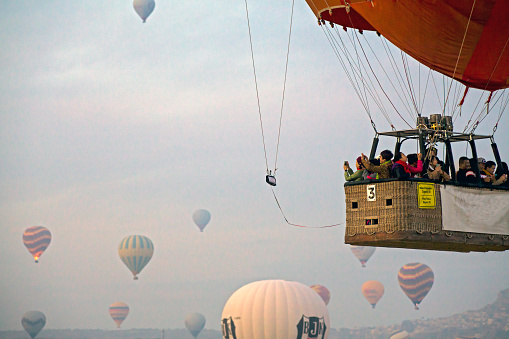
(36, 240)
(119, 311)
(416, 280)
(373, 290)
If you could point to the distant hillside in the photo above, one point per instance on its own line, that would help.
(491, 321)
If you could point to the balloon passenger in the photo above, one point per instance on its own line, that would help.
(415, 164)
(384, 170)
(489, 170)
(465, 173)
(435, 171)
(360, 174)
(501, 171)
(400, 168)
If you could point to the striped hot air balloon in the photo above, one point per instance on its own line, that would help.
(136, 251)
(36, 240)
(416, 281)
(323, 292)
(119, 311)
(363, 253)
(373, 290)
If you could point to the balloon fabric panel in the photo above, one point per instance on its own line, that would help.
(416, 281)
(135, 252)
(36, 240)
(441, 34)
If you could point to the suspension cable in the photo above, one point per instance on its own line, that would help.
(409, 81)
(367, 88)
(502, 110)
(256, 86)
(284, 88)
(349, 76)
(296, 225)
(459, 53)
(376, 78)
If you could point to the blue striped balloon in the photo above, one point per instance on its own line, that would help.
(416, 280)
(36, 240)
(135, 252)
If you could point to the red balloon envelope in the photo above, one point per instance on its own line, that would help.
(465, 40)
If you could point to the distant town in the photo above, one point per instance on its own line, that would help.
(491, 321)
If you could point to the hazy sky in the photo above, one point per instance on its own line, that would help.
(110, 127)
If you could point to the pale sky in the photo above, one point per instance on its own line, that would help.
(110, 127)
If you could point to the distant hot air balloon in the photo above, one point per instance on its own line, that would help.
(322, 292)
(363, 253)
(275, 309)
(201, 218)
(119, 311)
(416, 281)
(372, 290)
(33, 322)
(144, 8)
(136, 251)
(195, 323)
(36, 240)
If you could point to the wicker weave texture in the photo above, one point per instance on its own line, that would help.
(396, 209)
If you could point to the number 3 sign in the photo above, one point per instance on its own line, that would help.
(371, 193)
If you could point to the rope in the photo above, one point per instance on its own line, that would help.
(256, 86)
(284, 88)
(349, 76)
(409, 82)
(289, 223)
(502, 109)
(425, 90)
(459, 54)
(376, 78)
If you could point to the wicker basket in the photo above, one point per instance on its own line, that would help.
(389, 214)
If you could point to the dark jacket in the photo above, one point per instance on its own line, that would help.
(398, 171)
(466, 176)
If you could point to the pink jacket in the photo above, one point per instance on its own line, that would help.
(415, 170)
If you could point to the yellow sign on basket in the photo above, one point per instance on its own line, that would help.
(426, 194)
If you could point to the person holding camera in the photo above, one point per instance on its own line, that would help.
(435, 171)
(358, 175)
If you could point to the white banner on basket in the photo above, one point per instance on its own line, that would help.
(474, 210)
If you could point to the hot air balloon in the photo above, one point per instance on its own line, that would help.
(144, 8)
(363, 253)
(464, 44)
(275, 309)
(36, 240)
(33, 322)
(201, 218)
(322, 292)
(372, 290)
(119, 311)
(195, 323)
(470, 48)
(136, 251)
(416, 281)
